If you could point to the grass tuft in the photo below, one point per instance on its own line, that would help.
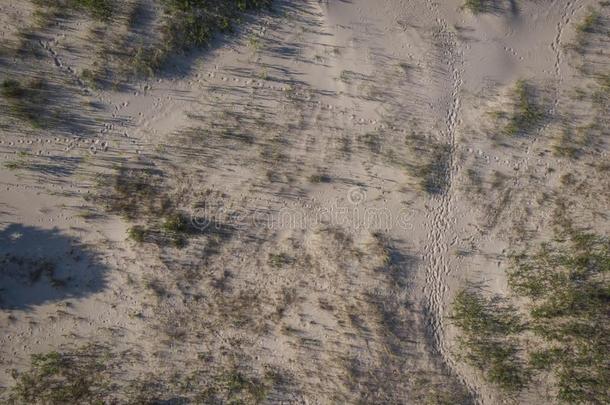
(527, 113)
(567, 287)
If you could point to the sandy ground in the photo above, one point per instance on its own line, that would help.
(296, 146)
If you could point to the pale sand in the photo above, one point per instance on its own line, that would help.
(334, 88)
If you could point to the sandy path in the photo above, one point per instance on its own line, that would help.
(440, 217)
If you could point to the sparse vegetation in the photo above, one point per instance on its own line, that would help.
(567, 286)
(54, 377)
(89, 376)
(589, 22)
(279, 260)
(476, 6)
(434, 174)
(137, 233)
(488, 340)
(26, 101)
(137, 193)
(319, 178)
(189, 24)
(527, 114)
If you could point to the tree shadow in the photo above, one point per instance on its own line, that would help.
(38, 266)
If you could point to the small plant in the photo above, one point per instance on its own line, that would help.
(27, 101)
(565, 146)
(254, 42)
(434, 173)
(77, 377)
(12, 89)
(319, 178)
(527, 113)
(189, 24)
(176, 223)
(137, 233)
(14, 165)
(279, 260)
(589, 23)
(372, 141)
(475, 6)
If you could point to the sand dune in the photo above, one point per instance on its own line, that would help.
(300, 211)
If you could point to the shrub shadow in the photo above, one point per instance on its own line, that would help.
(38, 266)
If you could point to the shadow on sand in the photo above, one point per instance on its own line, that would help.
(38, 266)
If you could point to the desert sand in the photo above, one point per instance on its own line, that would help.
(288, 214)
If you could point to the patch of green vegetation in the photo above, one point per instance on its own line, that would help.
(433, 174)
(15, 165)
(26, 101)
(279, 260)
(99, 9)
(319, 178)
(565, 146)
(12, 89)
(193, 23)
(527, 113)
(60, 378)
(137, 233)
(130, 192)
(476, 6)
(252, 389)
(372, 141)
(93, 375)
(488, 341)
(566, 284)
(138, 193)
(176, 225)
(589, 22)
(587, 26)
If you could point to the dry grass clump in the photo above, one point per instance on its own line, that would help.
(139, 194)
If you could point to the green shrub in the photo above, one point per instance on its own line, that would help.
(279, 260)
(176, 223)
(434, 174)
(137, 233)
(527, 113)
(27, 101)
(12, 89)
